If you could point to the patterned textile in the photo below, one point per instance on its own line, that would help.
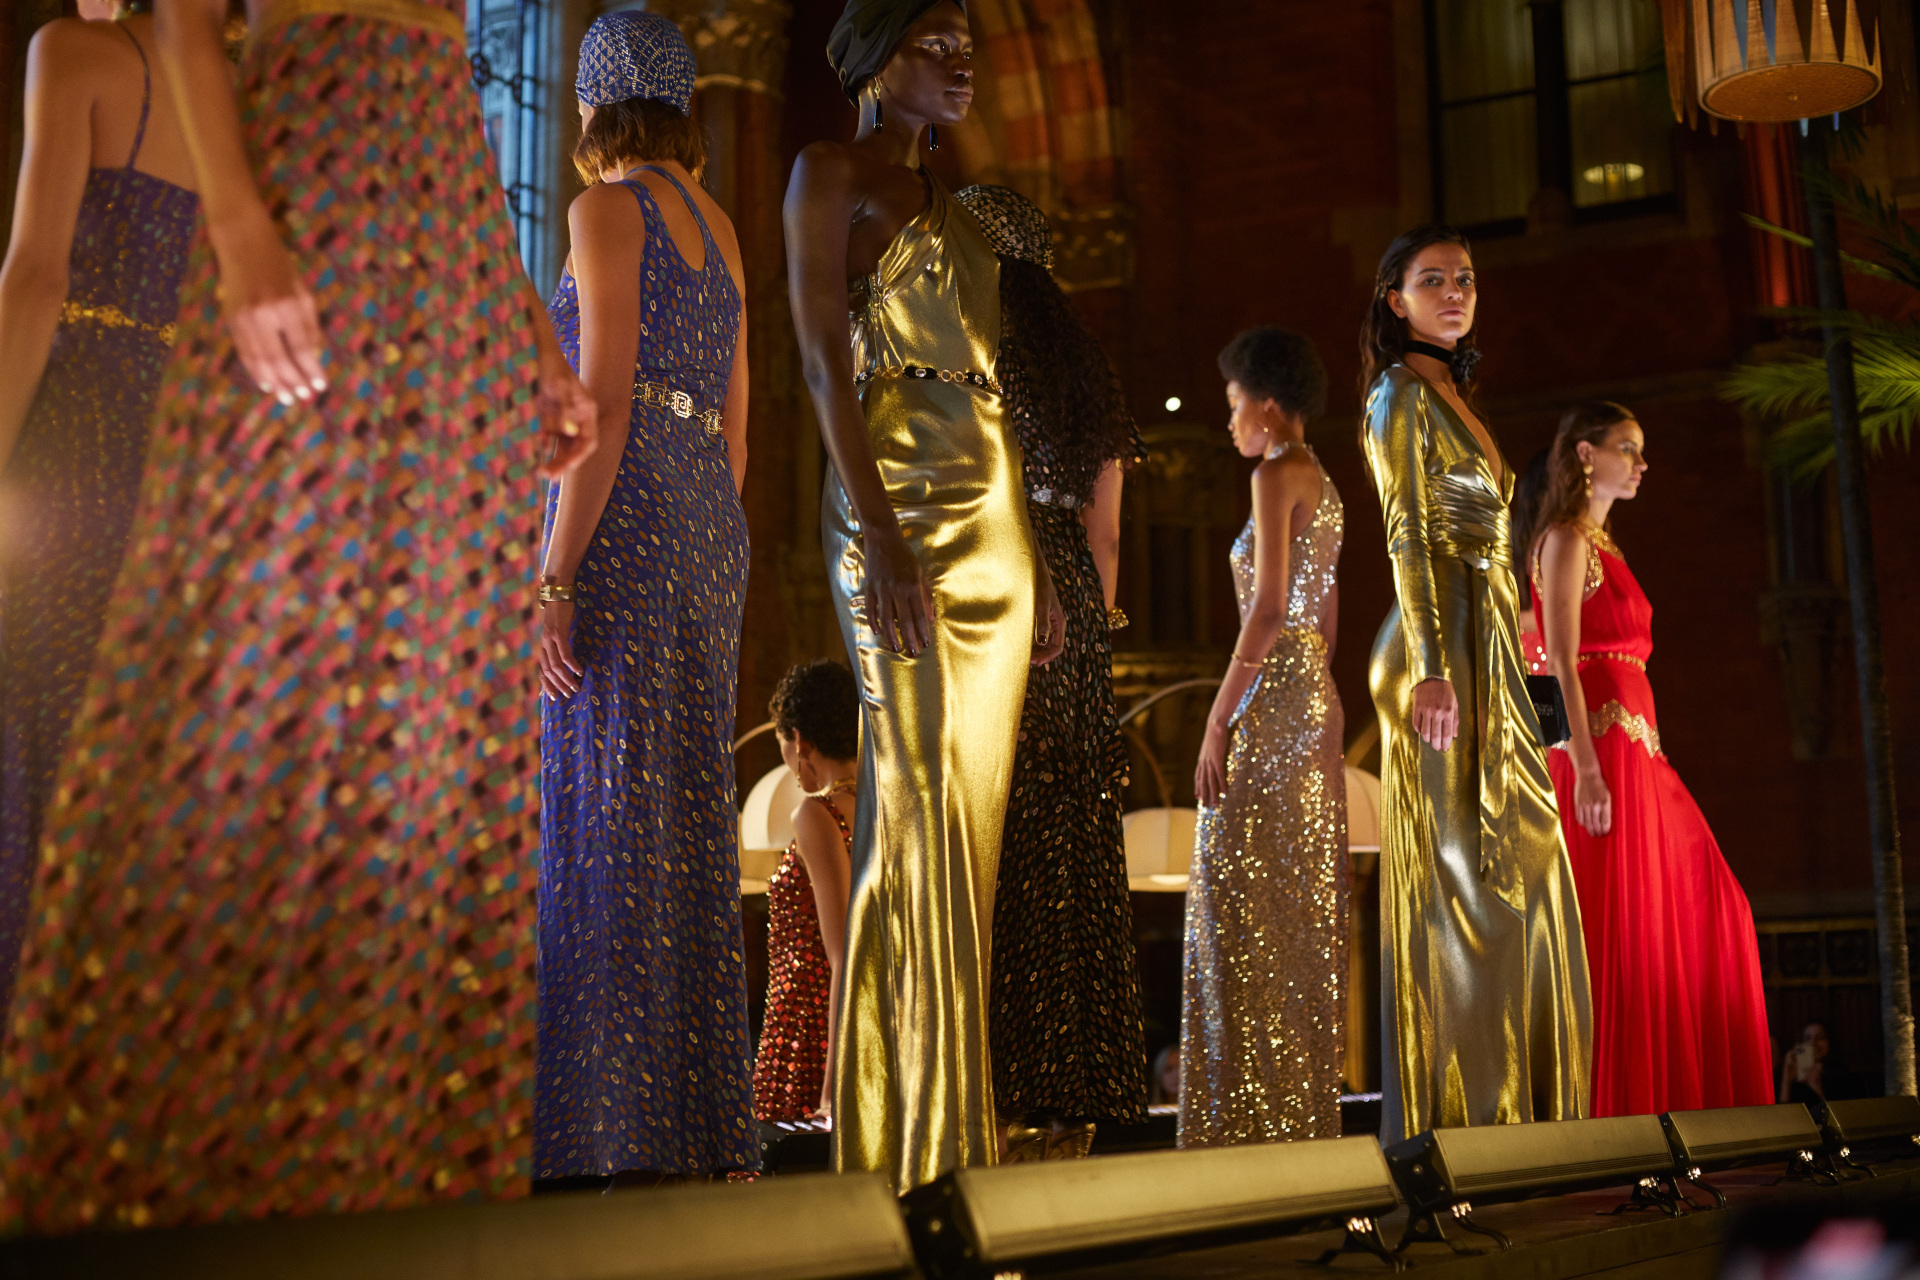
(279, 955)
(792, 1062)
(1015, 226)
(644, 1044)
(1067, 1037)
(75, 472)
(632, 54)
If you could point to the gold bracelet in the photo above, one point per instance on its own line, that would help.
(1117, 619)
(551, 591)
(1251, 666)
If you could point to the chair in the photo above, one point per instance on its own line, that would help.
(1159, 849)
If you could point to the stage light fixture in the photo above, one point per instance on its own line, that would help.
(1730, 1137)
(1026, 1219)
(1443, 1173)
(805, 1228)
(1871, 1126)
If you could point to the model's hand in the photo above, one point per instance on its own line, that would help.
(1436, 712)
(1049, 619)
(569, 420)
(560, 672)
(1592, 802)
(275, 325)
(1210, 774)
(899, 600)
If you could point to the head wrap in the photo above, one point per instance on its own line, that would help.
(1014, 225)
(631, 54)
(866, 35)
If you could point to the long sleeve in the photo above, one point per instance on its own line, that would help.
(1396, 448)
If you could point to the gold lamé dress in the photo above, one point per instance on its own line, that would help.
(1260, 1030)
(913, 1084)
(1485, 1014)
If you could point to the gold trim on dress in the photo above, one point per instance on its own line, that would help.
(1615, 716)
(965, 377)
(1627, 658)
(404, 13)
(108, 316)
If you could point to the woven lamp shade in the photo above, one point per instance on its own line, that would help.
(1771, 60)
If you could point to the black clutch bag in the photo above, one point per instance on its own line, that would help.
(1549, 707)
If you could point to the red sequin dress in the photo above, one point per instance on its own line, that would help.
(280, 958)
(1679, 1017)
(792, 1061)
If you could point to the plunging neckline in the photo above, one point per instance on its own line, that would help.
(1489, 451)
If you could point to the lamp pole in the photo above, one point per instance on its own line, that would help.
(1876, 731)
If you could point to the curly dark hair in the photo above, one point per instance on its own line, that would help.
(817, 702)
(1055, 374)
(1273, 364)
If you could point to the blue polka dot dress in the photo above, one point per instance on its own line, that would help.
(644, 1057)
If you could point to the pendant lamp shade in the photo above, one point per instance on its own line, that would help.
(1771, 60)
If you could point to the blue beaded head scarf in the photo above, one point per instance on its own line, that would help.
(634, 54)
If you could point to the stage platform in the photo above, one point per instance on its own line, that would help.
(1559, 1238)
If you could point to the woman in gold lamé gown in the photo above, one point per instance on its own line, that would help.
(1267, 903)
(1485, 1010)
(896, 303)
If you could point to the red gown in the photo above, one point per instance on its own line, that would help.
(792, 1061)
(1679, 1017)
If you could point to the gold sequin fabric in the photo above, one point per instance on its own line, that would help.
(1261, 1023)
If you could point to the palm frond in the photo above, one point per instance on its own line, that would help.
(1865, 266)
(1894, 238)
(1886, 369)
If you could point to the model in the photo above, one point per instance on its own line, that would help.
(1068, 1049)
(934, 580)
(102, 221)
(1261, 1024)
(280, 956)
(1484, 1002)
(1680, 1019)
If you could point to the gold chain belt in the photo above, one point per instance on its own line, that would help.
(112, 317)
(404, 13)
(965, 377)
(1627, 658)
(679, 403)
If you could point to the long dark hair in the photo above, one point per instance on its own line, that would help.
(1528, 490)
(1565, 499)
(1383, 335)
(1053, 369)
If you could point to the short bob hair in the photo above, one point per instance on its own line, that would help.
(1273, 364)
(817, 702)
(639, 131)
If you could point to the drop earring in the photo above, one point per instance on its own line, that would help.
(1586, 469)
(933, 137)
(876, 105)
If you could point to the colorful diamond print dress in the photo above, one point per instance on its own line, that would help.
(281, 954)
(76, 469)
(645, 1053)
(1261, 1027)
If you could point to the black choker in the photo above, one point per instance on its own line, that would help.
(1460, 361)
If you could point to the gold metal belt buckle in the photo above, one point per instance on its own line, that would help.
(681, 403)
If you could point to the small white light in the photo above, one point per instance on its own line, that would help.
(1173, 404)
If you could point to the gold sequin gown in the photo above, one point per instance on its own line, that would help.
(1260, 1031)
(913, 1084)
(1485, 1014)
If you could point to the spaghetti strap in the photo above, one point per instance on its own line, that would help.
(693, 207)
(146, 94)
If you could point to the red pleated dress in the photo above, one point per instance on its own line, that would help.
(1679, 1016)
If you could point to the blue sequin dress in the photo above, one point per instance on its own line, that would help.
(644, 1056)
(75, 475)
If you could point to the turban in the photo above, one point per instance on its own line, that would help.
(866, 36)
(630, 54)
(1014, 225)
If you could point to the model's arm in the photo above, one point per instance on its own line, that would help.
(53, 177)
(821, 201)
(1563, 579)
(1278, 491)
(1102, 519)
(1396, 448)
(824, 853)
(609, 240)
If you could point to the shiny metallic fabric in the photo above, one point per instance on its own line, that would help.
(1260, 1031)
(913, 1088)
(1485, 1011)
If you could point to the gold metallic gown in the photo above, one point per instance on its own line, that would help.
(913, 1085)
(1485, 1014)
(1260, 1030)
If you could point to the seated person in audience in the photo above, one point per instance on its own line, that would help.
(816, 716)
